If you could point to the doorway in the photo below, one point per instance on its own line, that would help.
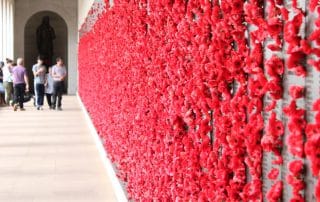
(60, 43)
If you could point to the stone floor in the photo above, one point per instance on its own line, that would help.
(50, 156)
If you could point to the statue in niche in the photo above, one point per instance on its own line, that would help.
(45, 37)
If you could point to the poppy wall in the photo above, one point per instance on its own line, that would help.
(199, 100)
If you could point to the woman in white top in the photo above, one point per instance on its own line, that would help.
(49, 87)
(8, 81)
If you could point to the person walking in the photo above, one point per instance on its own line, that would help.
(59, 73)
(8, 82)
(20, 84)
(39, 73)
(49, 87)
(2, 96)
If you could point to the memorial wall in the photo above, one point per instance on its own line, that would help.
(206, 100)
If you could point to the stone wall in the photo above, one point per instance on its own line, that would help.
(84, 7)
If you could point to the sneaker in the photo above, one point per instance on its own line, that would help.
(22, 109)
(38, 108)
(15, 107)
(59, 109)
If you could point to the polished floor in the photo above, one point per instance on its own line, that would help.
(50, 156)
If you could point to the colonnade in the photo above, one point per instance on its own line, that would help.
(6, 29)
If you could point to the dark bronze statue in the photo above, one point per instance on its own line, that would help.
(45, 37)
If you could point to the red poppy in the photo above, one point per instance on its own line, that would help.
(317, 22)
(273, 174)
(271, 106)
(317, 190)
(275, 193)
(274, 66)
(313, 4)
(315, 64)
(285, 13)
(274, 47)
(314, 36)
(296, 167)
(306, 47)
(274, 26)
(296, 92)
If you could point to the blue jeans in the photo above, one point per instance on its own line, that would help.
(39, 94)
(58, 88)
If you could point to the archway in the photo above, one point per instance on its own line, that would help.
(60, 44)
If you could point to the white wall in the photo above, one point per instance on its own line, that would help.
(68, 10)
(83, 9)
(6, 29)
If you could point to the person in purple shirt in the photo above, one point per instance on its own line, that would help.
(20, 84)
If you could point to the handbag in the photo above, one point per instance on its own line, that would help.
(27, 97)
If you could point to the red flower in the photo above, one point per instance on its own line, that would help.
(315, 64)
(297, 184)
(274, 66)
(296, 167)
(285, 13)
(274, 47)
(296, 126)
(315, 35)
(273, 174)
(306, 47)
(317, 190)
(274, 26)
(275, 89)
(271, 106)
(316, 105)
(316, 51)
(271, 140)
(295, 59)
(300, 70)
(313, 4)
(311, 147)
(294, 3)
(275, 193)
(296, 92)
(317, 22)
(278, 160)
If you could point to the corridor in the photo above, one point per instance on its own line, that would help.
(50, 156)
